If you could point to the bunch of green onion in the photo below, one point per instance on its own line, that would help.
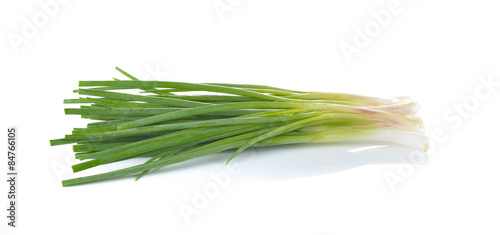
(168, 124)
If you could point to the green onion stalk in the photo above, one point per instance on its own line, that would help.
(165, 123)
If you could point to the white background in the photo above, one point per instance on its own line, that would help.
(433, 51)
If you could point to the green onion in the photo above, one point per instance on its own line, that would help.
(167, 124)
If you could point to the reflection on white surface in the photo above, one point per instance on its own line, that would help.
(302, 160)
(366, 148)
(296, 161)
